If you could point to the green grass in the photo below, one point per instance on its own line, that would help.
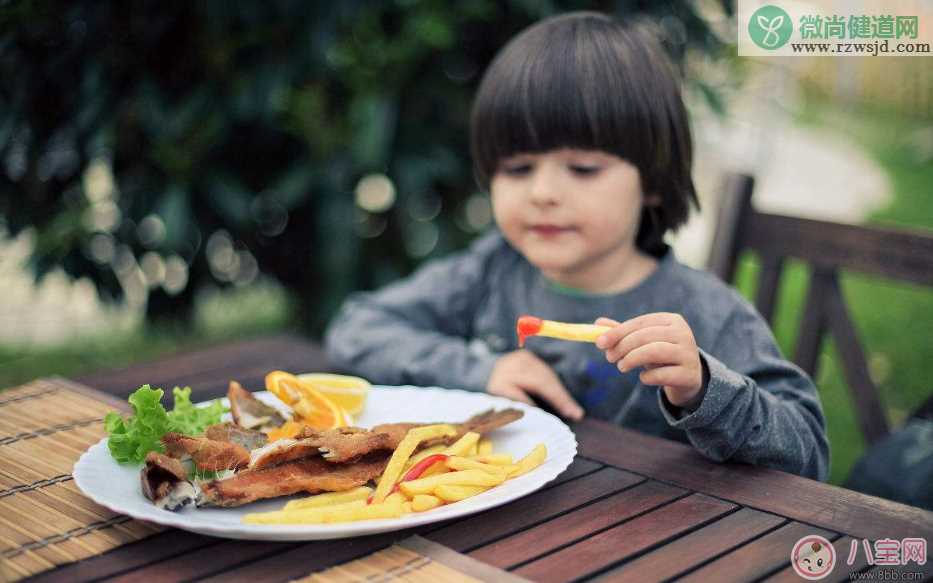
(219, 317)
(892, 319)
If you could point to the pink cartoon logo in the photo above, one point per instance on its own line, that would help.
(813, 557)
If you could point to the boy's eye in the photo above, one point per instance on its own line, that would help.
(584, 170)
(516, 169)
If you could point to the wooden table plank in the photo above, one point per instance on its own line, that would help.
(309, 557)
(208, 371)
(758, 558)
(627, 539)
(542, 539)
(524, 513)
(696, 548)
(769, 490)
(205, 561)
(580, 466)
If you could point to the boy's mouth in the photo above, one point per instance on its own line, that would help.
(548, 230)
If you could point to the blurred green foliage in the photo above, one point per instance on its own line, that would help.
(158, 148)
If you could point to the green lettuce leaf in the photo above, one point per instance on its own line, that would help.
(133, 437)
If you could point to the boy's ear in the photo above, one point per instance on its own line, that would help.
(653, 200)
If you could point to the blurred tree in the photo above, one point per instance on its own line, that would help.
(161, 147)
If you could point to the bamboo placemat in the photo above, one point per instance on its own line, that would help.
(414, 560)
(45, 520)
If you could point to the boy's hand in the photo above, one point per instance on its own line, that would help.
(664, 345)
(519, 374)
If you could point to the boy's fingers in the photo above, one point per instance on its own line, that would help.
(642, 337)
(514, 393)
(604, 341)
(674, 376)
(559, 398)
(619, 332)
(654, 353)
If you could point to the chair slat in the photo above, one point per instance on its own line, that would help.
(868, 407)
(813, 323)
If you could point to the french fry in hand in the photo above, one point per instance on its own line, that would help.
(496, 459)
(534, 459)
(463, 445)
(464, 478)
(453, 493)
(531, 326)
(401, 454)
(330, 498)
(462, 463)
(423, 502)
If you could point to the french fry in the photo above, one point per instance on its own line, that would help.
(401, 454)
(534, 459)
(462, 445)
(396, 498)
(309, 515)
(462, 463)
(454, 493)
(423, 502)
(484, 447)
(465, 478)
(496, 459)
(406, 507)
(330, 498)
(531, 326)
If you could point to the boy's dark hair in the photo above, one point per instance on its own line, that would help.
(583, 80)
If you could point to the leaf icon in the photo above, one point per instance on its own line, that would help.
(763, 22)
(776, 22)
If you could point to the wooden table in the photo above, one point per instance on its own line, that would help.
(630, 508)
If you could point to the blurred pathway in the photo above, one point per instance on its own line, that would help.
(799, 171)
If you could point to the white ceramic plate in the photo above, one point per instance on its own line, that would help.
(117, 487)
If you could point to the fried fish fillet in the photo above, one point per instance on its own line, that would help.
(311, 475)
(481, 423)
(207, 454)
(165, 482)
(248, 438)
(249, 412)
(338, 445)
(349, 443)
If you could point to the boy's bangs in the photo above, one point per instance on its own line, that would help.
(544, 98)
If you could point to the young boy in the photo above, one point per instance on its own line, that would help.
(580, 133)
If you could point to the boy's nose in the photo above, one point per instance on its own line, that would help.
(543, 188)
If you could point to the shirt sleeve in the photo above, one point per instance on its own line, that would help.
(758, 407)
(418, 330)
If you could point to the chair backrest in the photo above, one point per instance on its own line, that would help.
(828, 248)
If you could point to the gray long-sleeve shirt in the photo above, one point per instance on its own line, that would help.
(448, 323)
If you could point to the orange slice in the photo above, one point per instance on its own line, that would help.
(313, 408)
(289, 430)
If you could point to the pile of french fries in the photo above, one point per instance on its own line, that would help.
(468, 467)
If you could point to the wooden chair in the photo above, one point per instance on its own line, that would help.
(828, 248)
